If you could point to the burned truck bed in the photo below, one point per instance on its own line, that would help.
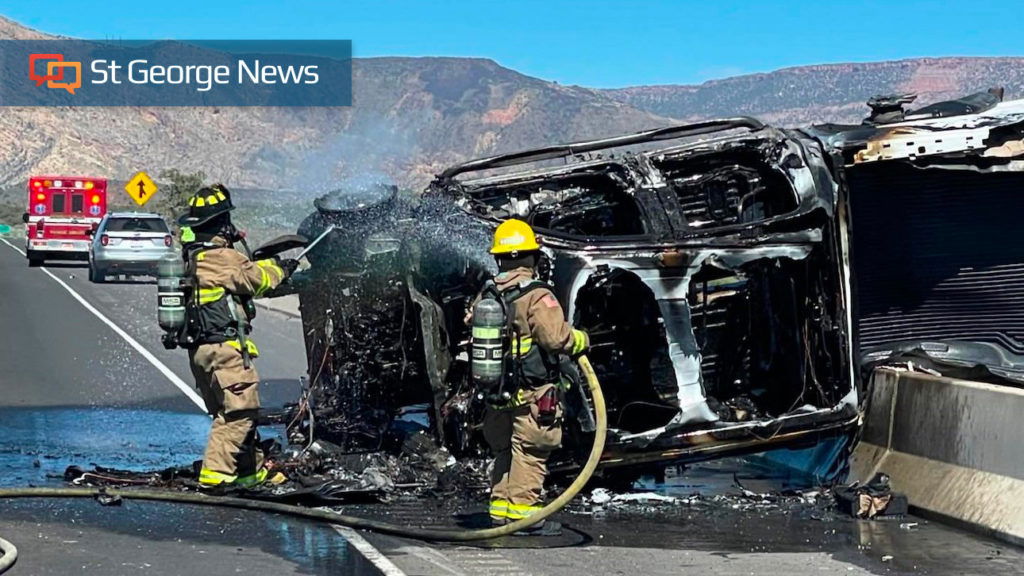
(711, 265)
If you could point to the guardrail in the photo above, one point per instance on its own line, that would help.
(955, 447)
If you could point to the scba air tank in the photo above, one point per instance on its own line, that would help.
(487, 363)
(170, 311)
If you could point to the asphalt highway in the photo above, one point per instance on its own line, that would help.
(84, 380)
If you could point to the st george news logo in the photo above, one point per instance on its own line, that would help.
(55, 68)
(177, 73)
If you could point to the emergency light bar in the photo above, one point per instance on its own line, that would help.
(77, 184)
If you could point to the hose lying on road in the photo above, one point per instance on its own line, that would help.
(435, 534)
(9, 555)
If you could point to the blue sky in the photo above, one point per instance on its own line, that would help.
(596, 43)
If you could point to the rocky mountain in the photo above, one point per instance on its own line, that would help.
(828, 92)
(411, 117)
(414, 116)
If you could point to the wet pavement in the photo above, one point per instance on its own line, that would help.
(38, 444)
(72, 537)
(736, 528)
(57, 353)
(74, 392)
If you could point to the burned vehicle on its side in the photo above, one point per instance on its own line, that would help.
(728, 301)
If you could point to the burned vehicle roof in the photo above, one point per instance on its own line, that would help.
(734, 278)
(623, 201)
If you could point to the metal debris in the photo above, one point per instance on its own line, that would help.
(105, 499)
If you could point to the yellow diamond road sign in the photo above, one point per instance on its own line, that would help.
(140, 188)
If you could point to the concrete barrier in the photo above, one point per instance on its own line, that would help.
(956, 448)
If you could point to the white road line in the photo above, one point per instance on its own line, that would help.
(16, 249)
(376, 557)
(442, 561)
(170, 375)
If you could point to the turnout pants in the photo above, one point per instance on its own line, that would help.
(231, 393)
(521, 447)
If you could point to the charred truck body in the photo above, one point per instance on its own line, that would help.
(713, 276)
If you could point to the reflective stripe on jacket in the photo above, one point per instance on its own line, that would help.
(224, 278)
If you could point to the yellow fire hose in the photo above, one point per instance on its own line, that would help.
(434, 534)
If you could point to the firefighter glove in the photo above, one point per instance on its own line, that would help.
(580, 343)
(288, 265)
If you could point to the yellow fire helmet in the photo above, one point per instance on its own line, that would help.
(514, 236)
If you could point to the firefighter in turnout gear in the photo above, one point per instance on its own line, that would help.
(218, 311)
(523, 422)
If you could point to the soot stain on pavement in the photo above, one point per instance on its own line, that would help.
(732, 506)
(719, 526)
(744, 505)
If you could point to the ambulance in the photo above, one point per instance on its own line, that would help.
(62, 214)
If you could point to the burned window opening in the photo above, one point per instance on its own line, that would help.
(760, 331)
(591, 203)
(722, 189)
(629, 349)
(720, 314)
